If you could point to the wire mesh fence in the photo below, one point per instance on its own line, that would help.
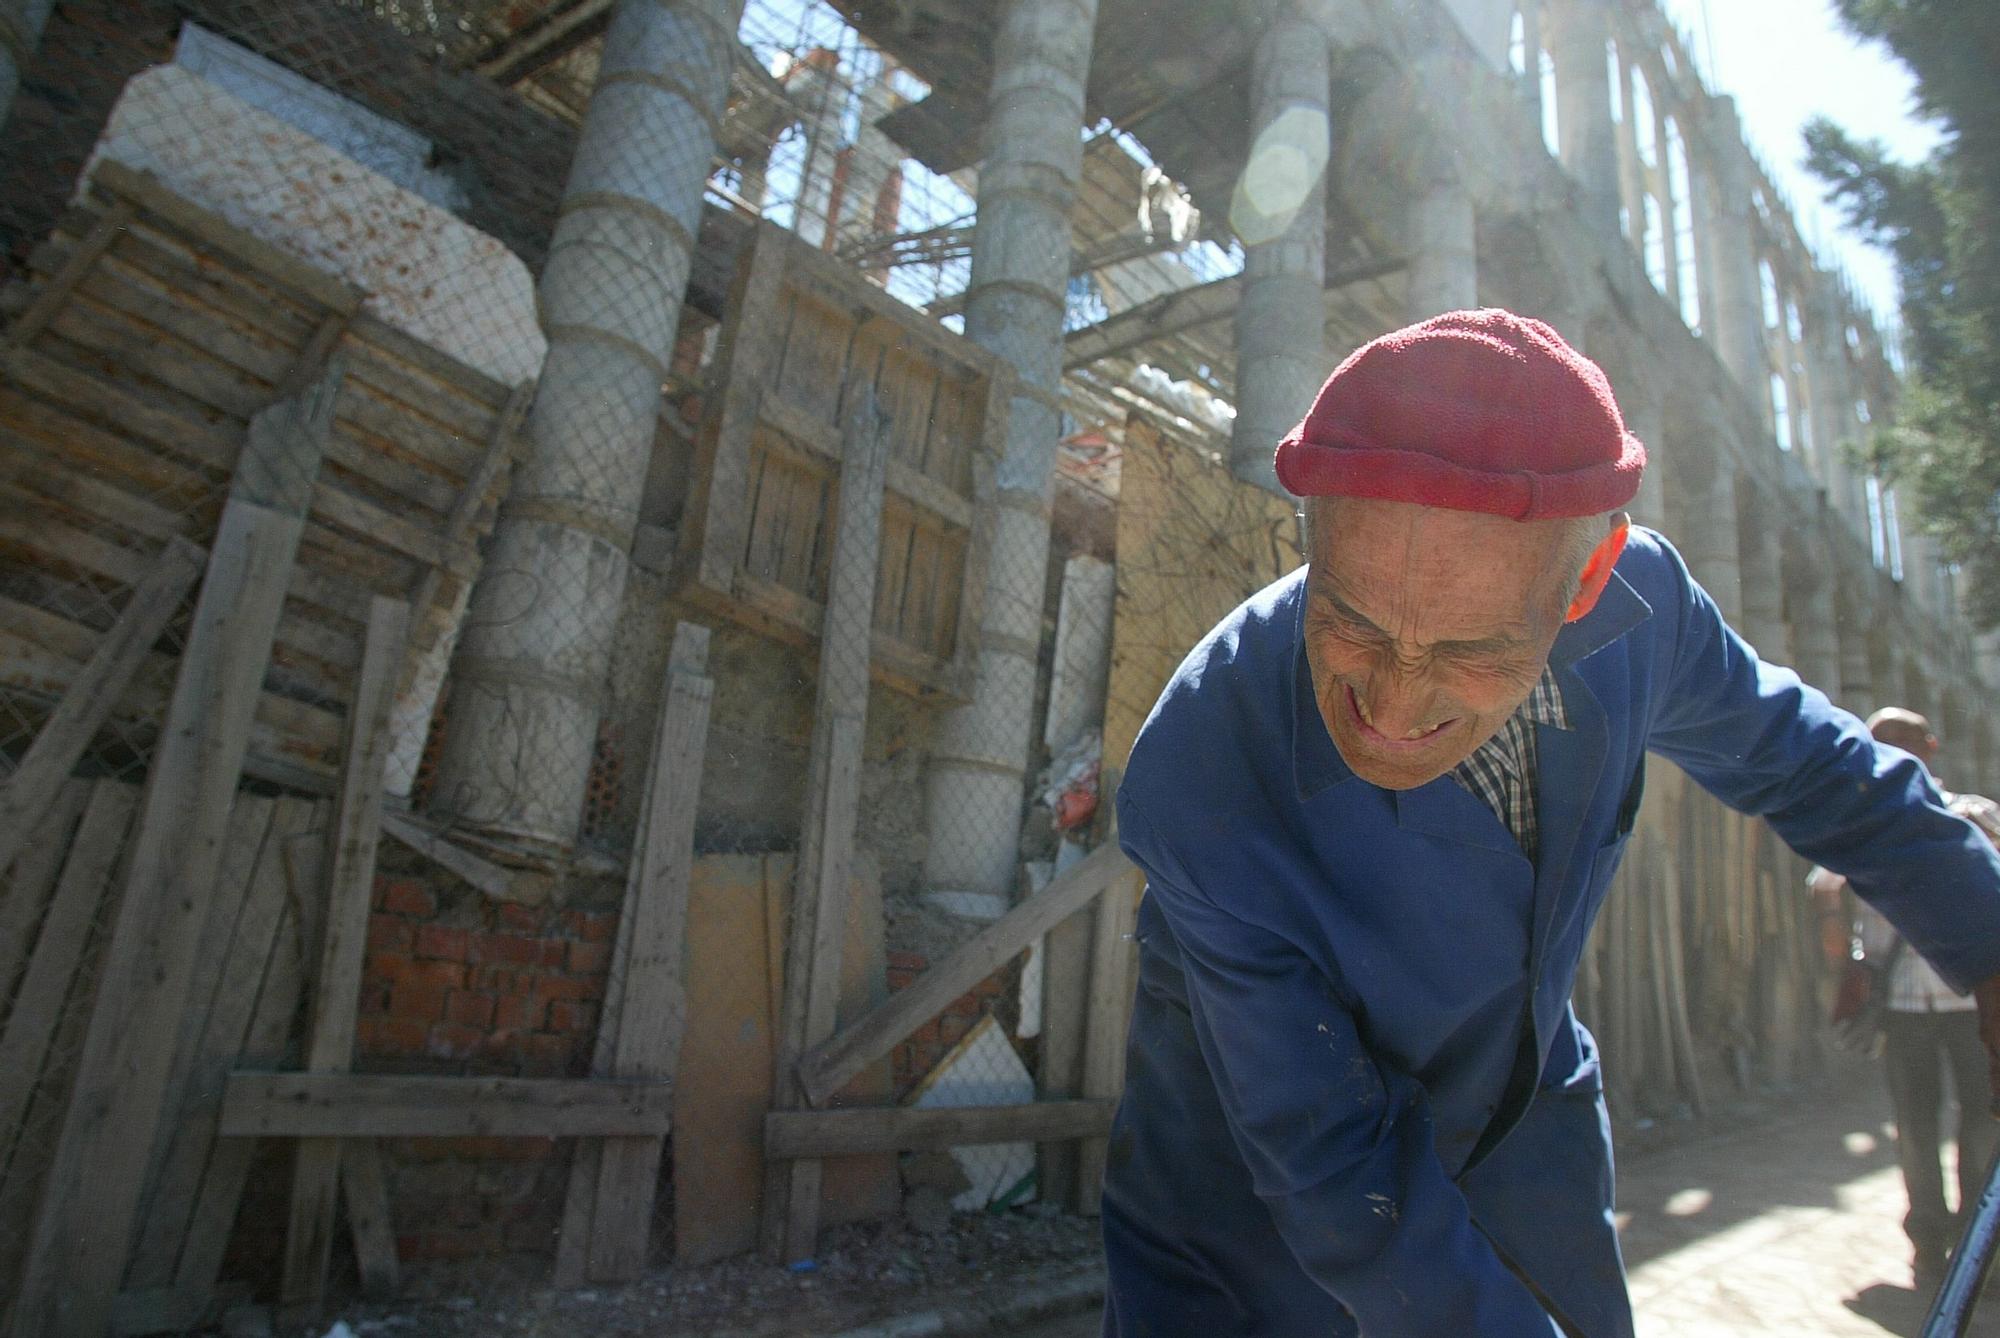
(485, 216)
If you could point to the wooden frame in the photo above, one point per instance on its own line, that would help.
(152, 332)
(378, 1105)
(756, 538)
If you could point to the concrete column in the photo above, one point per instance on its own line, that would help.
(873, 158)
(1758, 540)
(1833, 420)
(824, 99)
(1020, 278)
(1857, 677)
(1577, 32)
(1444, 257)
(1810, 610)
(1279, 211)
(21, 24)
(1701, 506)
(530, 670)
(1720, 183)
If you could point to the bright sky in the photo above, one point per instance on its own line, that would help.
(1787, 61)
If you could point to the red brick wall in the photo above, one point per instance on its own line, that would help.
(920, 1052)
(456, 983)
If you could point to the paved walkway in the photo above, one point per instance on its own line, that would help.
(1789, 1227)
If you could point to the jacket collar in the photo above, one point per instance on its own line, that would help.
(1316, 762)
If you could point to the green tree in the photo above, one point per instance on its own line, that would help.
(1940, 220)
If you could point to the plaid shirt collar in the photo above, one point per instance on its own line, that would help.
(1501, 772)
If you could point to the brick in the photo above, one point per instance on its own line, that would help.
(389, 1036)
(513, 949)
(589, 958)
(374, 997)
(469, 1008)
(519, 918)
(389, 933)
(926, 1034)
(519, 1012)
(568, 1015)
(952, 1029)
(555, 952)
(417, 1000)
(545, 1053)
(965, 1007)
(900, 980)
(914, 962)
(436, 941)
(591, 926)
(550, 988)
(407, 896)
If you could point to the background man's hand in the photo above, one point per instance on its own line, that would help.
(1987, 995)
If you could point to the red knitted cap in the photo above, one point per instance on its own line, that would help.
(1470, 411)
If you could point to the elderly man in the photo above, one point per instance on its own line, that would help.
(1927, 1027)
(1377, 808)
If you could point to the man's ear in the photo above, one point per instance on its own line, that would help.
(1597, 569)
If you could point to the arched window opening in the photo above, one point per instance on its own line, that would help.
(1517, 44)
(1861, 412)
(1685, 260)
(1654, 245)
(1551, 125)
(1668, 59)
(1617, 70)
(1854, 337)
(1781, 412)
(1773, 304)
(1894, 530)
(1878, 533)
(1795, 328)
(1645, 126)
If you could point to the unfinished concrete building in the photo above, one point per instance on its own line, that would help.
(572, 574)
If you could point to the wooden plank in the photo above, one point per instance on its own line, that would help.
(834, 1133)
(249, 830)
(225, 1032)
(393, 1105)
(295, 881)
(904, 479)
(26, 795)
(827, 1067)
(653, 1003)
(826, 846)
(85, 1223)
(175, 370)
(1059, 1074)
(51, 298)
(351, 853)
(31, 1023)
(718, 506)
(458, 524)
(25, 892)
(179, 432)
(722, 1090)
(366, 1182)
(209, 232)
(1109, 1013)
(483, 874)
(27, 478)
(144, 303)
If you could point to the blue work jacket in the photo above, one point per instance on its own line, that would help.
(1357, 1098)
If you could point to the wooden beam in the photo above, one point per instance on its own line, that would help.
(85, 1224)
(1105, 1024)
(351, 848)
(811, 999)
(1186, 309)
(26, 795)
(419, 836)
(390, 1105)
(826, 1068)
(457, 533)
(653, 1001)
(844, 1133)
(109, 226)
(540, 44)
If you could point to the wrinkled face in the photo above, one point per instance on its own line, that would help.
(1426, 628)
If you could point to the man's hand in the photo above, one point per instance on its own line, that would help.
(1987, 995)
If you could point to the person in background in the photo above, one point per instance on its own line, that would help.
(1926, 1027)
